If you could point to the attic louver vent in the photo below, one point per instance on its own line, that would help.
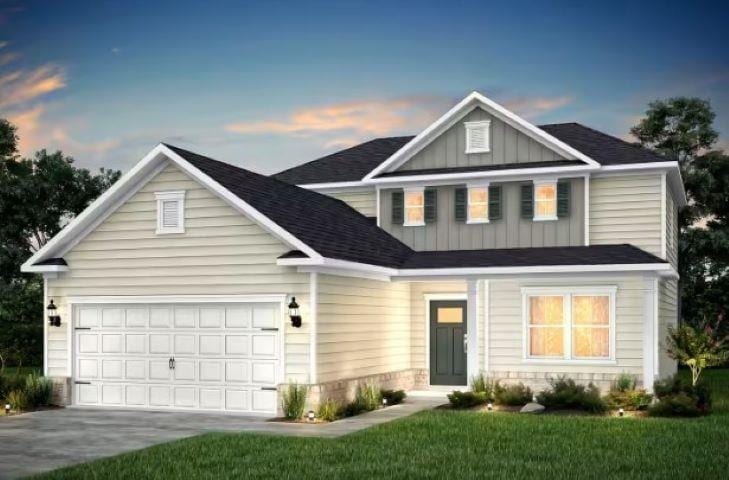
(478, 138)
(170, 219)
(170, 212)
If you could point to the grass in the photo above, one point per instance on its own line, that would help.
(452, 444)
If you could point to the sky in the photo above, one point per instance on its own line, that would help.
(267, 84)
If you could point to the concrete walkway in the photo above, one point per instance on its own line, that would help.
(42, 441)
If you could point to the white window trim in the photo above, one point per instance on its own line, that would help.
(485, 124)
(567, 293)
(179, 197)
(537, 183)
(405, 223)
(470, 220)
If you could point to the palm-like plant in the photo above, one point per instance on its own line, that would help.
(698, 348)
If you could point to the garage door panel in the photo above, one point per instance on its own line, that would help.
(226, 357)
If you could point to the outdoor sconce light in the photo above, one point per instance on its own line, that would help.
(54, 320)
(384, 402)
(294, 313)
(7, 409)
(310, 415)
(621, 412)
(489, 407)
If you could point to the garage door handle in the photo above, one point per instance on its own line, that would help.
(270, 389)
(83, 328)
(269, 329)
(171, 363)
(82, 383)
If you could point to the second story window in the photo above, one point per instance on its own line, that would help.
(170, 212)
(545, 200)
(414, 207)
(478, 203)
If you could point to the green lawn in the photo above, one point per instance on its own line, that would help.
(457, 445)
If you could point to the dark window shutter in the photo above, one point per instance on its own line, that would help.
(527, 201)
(431, 205)
(563, 199)
(494, 202)
(460, 204)
(398, 207)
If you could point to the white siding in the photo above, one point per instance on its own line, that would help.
(671, 230)
(626, 209)
(362, 200)
(221, 252)
(506, 331)
(667, 317)
(363, 327)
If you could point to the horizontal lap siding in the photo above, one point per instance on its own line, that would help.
(221, 252)
(363, 327)
(364, 201)
(626, 209)
(506, 324)
(668, 317)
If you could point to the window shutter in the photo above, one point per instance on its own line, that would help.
(494, 202)
(527, 201)
(563, 199)
(431, 207)
(460, 204)
(170, 214)
(398, 208)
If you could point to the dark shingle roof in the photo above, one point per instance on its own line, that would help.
(348, 165)
(329, 226)
(532, 257)
(354, 163)
(482, 168)
(601, 147)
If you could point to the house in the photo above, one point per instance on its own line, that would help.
(482, 244)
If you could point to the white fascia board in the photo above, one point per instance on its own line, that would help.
(333, 263)
(78, 228)
(44, 268)
(334, 185)
(129, 299)
(515, 174)
(456, 113)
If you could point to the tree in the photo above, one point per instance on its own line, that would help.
(38, 197)
(697, 348)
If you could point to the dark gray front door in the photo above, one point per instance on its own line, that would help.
(447, 342)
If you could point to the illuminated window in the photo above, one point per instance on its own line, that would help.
(571, 326)
(414, 207)
(545, 200)
(478, 204)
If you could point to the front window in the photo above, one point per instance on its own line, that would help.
(414, 207)
(569, 326)
(545, 201)
(478, 204)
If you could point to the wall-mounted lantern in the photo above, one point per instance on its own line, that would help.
(54, 320)
(294, 313)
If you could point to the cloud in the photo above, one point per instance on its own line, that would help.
(532, 107)
(361, 117)
(28, 123)
(22, 86)
(116, 50)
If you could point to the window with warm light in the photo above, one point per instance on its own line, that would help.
(574, 326)
(414, 208)
(545, 200)
(478, 204)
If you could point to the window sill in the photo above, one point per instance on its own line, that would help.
(476, 222)
(420, 224)
(545, 219)
(567, 362)
(480, 150)
(167, 232)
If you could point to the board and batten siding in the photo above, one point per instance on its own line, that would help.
(668, 317)
(221, 252)
(510, 231)
(505, 329)
(362, 200)
(508, 145)
(363, 327)
(626, 209)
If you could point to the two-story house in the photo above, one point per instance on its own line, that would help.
(484, 244)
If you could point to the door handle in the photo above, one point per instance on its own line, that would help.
(465, 343)
(171, 363)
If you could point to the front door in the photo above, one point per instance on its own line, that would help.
(448, 342)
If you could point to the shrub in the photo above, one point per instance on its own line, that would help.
(393, 397)
(513, 395)
(677, 397)
(368, 397)
(485, 385)
(567, 394)
(18, 400)
(8, 383)
(460, 399)
(623, 394)
(697, 348)
(293, 400)
(624, 382)
(352, 408)
(329, 410)
(38, 390)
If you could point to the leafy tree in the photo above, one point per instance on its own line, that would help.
(697, 348)
(38, 197)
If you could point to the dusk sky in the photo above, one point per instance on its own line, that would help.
(267, 85)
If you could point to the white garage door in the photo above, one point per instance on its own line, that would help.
(207, 356)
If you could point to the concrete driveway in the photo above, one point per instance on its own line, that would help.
(42, 441)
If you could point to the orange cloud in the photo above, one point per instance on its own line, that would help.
(20, 86)
(531, 107)
(28, 123)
